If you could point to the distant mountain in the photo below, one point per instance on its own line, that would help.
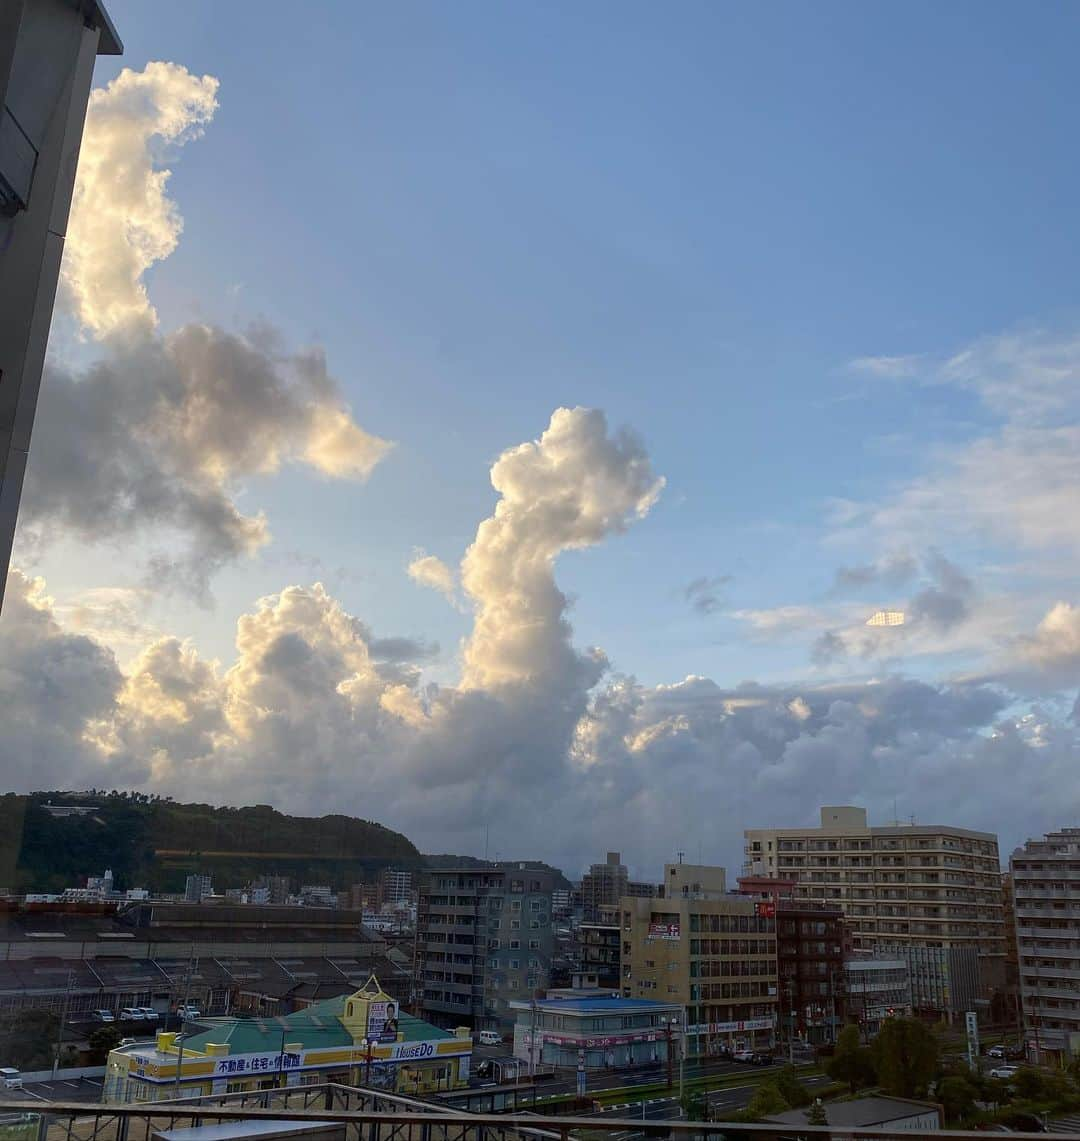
(156, 843)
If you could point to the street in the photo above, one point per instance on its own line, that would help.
(721, 1104)
(63, 1089)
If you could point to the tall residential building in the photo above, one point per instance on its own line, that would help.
(47, 53)
(395, 886)
(715, 957)
(693, 881)
(196, 887)
(597, 953)
(603, 885)
(901, 887)
(484, 938)
(1046, 902)
(927, 884)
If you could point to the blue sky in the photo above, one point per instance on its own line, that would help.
(694, 219)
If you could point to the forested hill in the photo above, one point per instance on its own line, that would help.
(156, 843)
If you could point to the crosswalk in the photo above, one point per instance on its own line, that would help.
(1068, 1123)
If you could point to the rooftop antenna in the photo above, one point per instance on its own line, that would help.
(680, 855)
(487, 837)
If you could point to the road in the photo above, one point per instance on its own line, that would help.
(606, 1080)
(722, 1103)
(63, 1089)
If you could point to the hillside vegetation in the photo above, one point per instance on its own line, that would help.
(155, 843)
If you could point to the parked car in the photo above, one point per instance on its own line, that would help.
(996, 1052)
(490, 1038)
(762, 1059)
(188, 1013)
(102, 1016)
(743, 1056)
(149, 1013)
(132, 1014)
(1004, 1073)
(10, 1078)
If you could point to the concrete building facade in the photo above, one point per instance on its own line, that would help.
(714, 957)
(1046, 903)
(693, 881)
(878, 987)
(484, 937)
(914, 885)
(47, 53)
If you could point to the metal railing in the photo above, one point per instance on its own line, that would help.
(354, 1111)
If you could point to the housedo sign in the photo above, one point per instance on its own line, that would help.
(669, 932)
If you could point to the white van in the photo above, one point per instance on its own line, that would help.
(490, 1038)
(10, 1078)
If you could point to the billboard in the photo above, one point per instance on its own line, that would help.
(668, 931)
(382, 1021)
(766, 909)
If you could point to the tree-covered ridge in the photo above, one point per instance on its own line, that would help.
(155, 842)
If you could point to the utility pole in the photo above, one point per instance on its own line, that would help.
(670, 1060)
(532, 1038)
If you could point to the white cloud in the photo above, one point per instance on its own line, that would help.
(892, 368)
(154, 439)
(122, 220)
(430, 571)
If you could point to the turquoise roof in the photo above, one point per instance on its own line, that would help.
(314, 1026)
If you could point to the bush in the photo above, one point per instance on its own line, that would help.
(791, 1089)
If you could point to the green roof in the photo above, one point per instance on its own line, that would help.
(316, 1025)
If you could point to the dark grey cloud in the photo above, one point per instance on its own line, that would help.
(154, 439)
(705, 594)
(889, 573)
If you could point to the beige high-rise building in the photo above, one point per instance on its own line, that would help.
(1046, 904)
(926, 884)
(694, 881)
(715, 957)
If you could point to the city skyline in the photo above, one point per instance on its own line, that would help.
(602, 460)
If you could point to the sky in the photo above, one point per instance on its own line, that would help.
(501, 423)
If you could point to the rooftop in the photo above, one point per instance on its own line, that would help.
(600, 1005)
(862, 1113)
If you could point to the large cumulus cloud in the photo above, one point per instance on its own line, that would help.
(539, 741)
(155, 438)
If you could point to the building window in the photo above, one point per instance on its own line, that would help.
(515, 924)
(515, 905)
(515, 944)
(534, 944)
(515, 964)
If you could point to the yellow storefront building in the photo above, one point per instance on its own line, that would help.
(356, 1039)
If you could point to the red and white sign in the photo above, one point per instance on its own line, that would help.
(766, 909)
(669, 931)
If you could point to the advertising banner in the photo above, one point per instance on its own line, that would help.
(667, 931)
(382, 1021)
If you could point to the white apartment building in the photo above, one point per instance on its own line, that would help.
(919, 883)
(1046, 904)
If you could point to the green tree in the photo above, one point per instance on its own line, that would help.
(1028, 1083)
(957, 1095)
(28, 1039)
(695, 1106)
(906, 1054)
(851, 1062)
(815, 1114)
(793, 1091)
(101, 1041)
(767, 1100)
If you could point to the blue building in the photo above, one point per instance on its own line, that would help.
(599, 1030)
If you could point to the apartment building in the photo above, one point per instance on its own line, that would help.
(714, 957)
(1046, 903)
(395, 886)
(920, 883)
(598, 953)
(901, 887)
(693, 881)
(484, 937)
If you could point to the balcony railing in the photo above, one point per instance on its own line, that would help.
(368, 1115)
